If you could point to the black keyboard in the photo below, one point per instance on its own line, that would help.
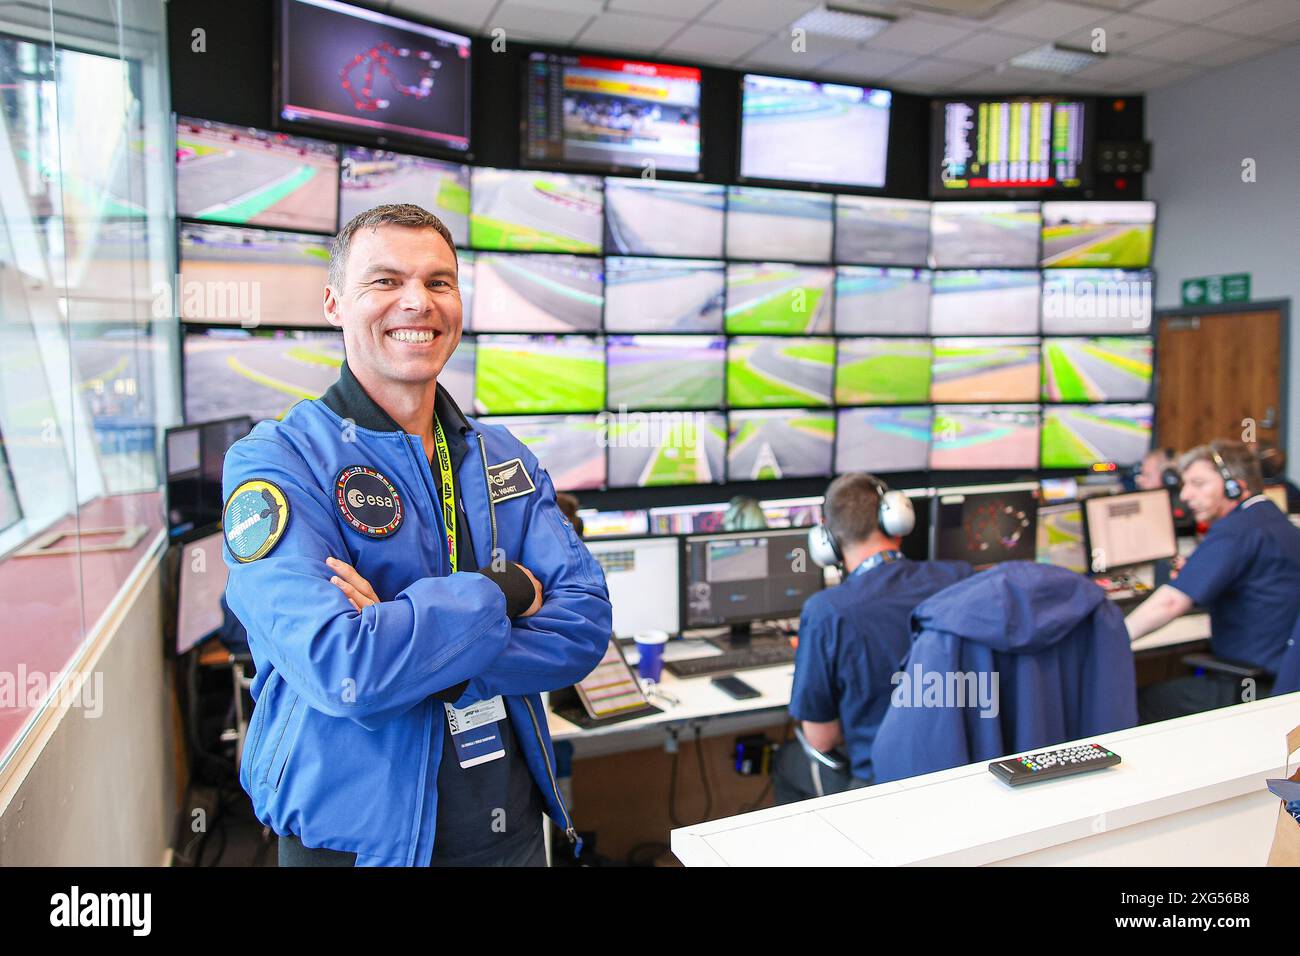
(767, 655)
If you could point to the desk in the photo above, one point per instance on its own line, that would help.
(1190, 791)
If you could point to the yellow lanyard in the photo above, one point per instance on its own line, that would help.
(448, 490)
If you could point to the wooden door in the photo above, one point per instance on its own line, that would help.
(1216, 369)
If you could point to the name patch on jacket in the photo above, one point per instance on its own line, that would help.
(254, 519)
(509, 480)
(368, 502)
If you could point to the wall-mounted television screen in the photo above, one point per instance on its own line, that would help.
(990, 145)
(1098, 235)
(536, 293)
(1078, 436)
(881, 232)
(779, 443)
(518, 210)
(985, 370)
(1097, 369)
(538, 374)
(984, 235)
(667, 448)
(883, 439)
(779, 224)
(569, 447)
(663, 295)
(767, 372)
(971, 437)
(779, 298)
(984, 302)
(665, 372)
(871, 300)
(651, 217)
(375, 177)
(1096, 301)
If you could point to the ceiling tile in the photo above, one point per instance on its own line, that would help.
(1241, 51)
(1123, 32)
(1186, 11)
(1117, 68)
(1187, 44)
(776, 54)
(535, 23)
(713, 44)
(757, 14)
(932, 72)
(588, 8)
(1257, 19)
(988, 49)
(917, 36)
(865, 65)
(611, 29)
(1169, 75)
(454, 13)
(1048, 20)
(685, 9)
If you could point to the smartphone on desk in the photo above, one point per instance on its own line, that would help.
(734, 687)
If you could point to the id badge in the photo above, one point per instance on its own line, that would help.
(476, 731)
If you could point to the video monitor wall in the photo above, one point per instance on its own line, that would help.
(254, 177)
(765, 444)
(536, 374)
(882, 371)
(584, 110)
(807, 132)
(767, 372)
(352, 70)
(882, 440)
(673, 448)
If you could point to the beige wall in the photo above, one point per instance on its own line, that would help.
(101, 791)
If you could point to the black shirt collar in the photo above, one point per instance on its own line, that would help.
(347, 399)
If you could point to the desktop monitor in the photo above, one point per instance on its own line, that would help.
(643, 579)
(666, 448)
(263, 373)
(880, 371)
(610, 113)
(984, 302)
(1096, 301)
(742, 577)
(687, 519)
(774, 443)
(792, 512)
(613, 524)
(883, 439)
(653, 217)
(373, 177)
(193, 460)
(1080, 436)
(539, 374)
(1128, 529)
(231, 275)
(1060, 536)
(984, 235)
(664, 295)
(520, 210)
(1098, 235)
(987, 525)
(202, 583)
(871, 300)
(809, 132)
(881, 232)
(363, 73)
(985, 370)
(779, 298)
(569, 447)
(1097, 368)
(536, 293)
(779, 224)
(665, 372)
(254, 177)
(763, 371)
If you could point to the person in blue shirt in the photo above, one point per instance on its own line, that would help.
(409, 587)
(1246, 572)
(853, 637)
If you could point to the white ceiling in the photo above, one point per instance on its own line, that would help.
(1149, 43)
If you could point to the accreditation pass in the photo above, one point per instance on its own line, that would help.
(476, 731)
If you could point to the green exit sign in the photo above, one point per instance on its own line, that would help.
(1216, 290)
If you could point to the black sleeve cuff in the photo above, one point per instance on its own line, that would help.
(514, 584)
(452, 694)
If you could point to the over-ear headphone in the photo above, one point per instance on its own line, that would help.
(1170, 476)
(895, 516)
(1231, 486)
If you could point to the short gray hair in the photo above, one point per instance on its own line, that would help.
(403, 214)
(852, 507)
(1238, 458)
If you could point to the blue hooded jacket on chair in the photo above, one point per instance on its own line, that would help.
(1062, 658)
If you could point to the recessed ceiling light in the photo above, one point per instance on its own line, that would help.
(832, 21)
(1056, 59)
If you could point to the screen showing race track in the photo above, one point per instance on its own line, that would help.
(569, 447)
(984, 302)
(610, 113)
(260, 373)
(882, 371)
(777, 443)
(536, 374)
(806, 132)
(987, 529)
(872, 300)
(767, 372)
(651, 217)
(779, 298)
(375, 177)
(1076, 436)
(515, 210)
(664, 295)
(973, 437)
(1097, 369)
(665, 372)
(884, 232)
(537, 293)
(984, 235)
(985, 370)
(1060, 537)
(254, 177)
(355, 70)
(1096, 301)
(883, 439)
(1098, 235)
(648, 449)
(779, 224)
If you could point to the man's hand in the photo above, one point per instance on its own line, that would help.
(537, 587)
(354, 587)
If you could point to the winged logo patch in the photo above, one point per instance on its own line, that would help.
(508, 480)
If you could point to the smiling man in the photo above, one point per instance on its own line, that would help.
(409, 587)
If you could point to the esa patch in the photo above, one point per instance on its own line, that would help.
(254, 519)
(368, 502)
(509, 480)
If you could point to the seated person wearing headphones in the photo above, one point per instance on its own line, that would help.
(853, 637)
(1246, 571)
(1159, 470)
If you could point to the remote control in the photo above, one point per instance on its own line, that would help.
(1051, 764)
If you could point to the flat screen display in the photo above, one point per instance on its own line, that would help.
(985, 370)
(984, 235)
(1096, 301)
(779, 224)
(519, 210)
(871, 300)
(664, 295)
(667, 448)
(767, 372)
(1079, 436)
(665, 372)
(536, 293)
(971, 437)
(569, 447)
(984, 302)
(778, 443)
(1097, 369)
(651, 217)
(779, 298)
(882, 232)
(538, 374)
(883, 439)
(1098, 235)
(376, 177)
(260, 373)
(882, 371)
